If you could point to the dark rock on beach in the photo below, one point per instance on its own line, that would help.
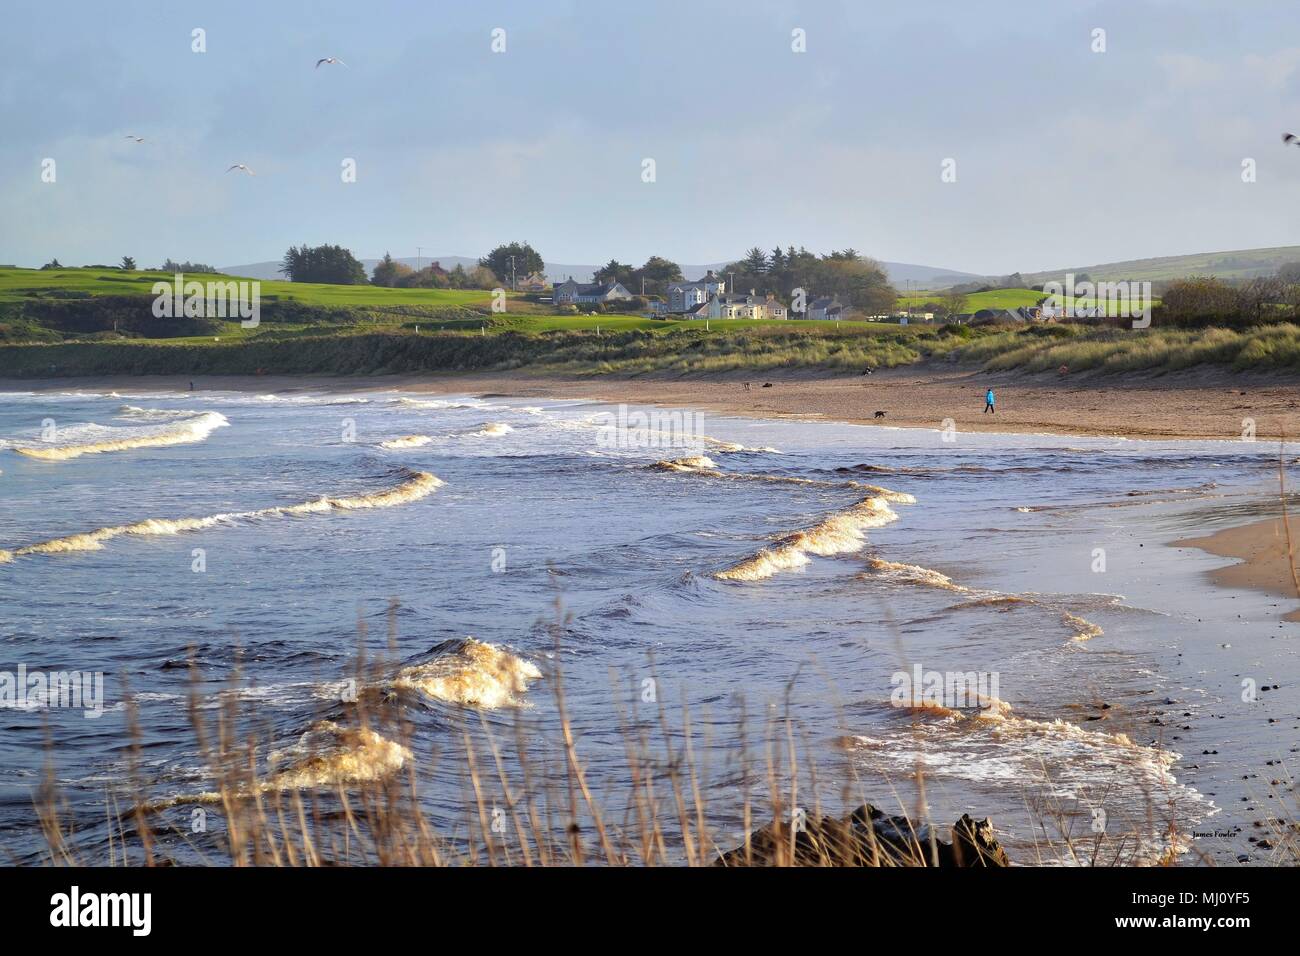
(867, 837)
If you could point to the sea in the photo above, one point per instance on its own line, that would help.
(933, 621)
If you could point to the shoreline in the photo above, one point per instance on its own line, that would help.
(1208, 404)
(1264, 558)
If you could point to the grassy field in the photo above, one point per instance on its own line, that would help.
(97, 322)
(996, 299)
(18, 285)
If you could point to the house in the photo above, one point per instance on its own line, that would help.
(684, 296)
(749, 306)
(737, 306)
(589, 293)
(827, 308)
(535, 282)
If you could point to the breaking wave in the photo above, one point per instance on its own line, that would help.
(406, 441)
(838, 533)
(997, 747)
(1083, 630)
(418, 485)
(914, 574)
(192, 429)
(327, 755)
(491, 430)
(471, 673)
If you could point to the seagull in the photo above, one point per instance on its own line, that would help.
(1291, 139)
(331, 60)
(243, 167)
(138, 139)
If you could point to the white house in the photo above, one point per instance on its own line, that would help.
(589, 293)
(750, 306)
(684, 296)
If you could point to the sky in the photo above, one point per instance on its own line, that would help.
(1063, 155)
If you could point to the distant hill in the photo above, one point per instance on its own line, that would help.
(1239, 264)
(899, 272)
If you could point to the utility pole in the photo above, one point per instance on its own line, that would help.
(419, 253)
(512, 275)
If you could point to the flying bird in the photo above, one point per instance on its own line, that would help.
(1291, 139)
(330, 60)
(243, 167)
(138, 139)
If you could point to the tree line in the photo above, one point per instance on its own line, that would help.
(853, 278)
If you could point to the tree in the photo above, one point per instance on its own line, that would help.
(615, 271)
(128, 264)
(388, 272)
(329, 264)
(53, 264)
(955, 302)
(755, 261)
(526, 260)
(481, 277)
(172, 265)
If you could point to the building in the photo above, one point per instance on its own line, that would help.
(535, 282)
(684, 296)
(827, 308)
(746, 306)
(589, 293)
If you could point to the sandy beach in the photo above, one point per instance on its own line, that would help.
(1206, 404)
(1265, 557)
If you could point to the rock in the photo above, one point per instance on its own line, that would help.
(867, 837)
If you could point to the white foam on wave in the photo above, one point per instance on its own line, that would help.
(417, 485)
(406, 441)
(841, 532)
(98, 440)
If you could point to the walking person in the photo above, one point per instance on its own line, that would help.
(989, 399)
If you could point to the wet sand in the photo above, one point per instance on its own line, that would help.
(1266, 554)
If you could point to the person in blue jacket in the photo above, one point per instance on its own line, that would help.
(989, 399)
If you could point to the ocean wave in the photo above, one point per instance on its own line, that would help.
(1084, 630)
(471, 673)
(1084, 767)
(432, 403)
(152, 414)
(839, 533)
(734, 447)
(327, 755)
(406, 441)
(193, 429)
(704, 466)
(914, 574)
(491, 430)
(417, 485)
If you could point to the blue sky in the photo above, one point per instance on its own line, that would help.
(1064, 156)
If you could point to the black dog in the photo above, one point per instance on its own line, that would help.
(880, 415)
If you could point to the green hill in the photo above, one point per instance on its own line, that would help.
(1239, 264)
